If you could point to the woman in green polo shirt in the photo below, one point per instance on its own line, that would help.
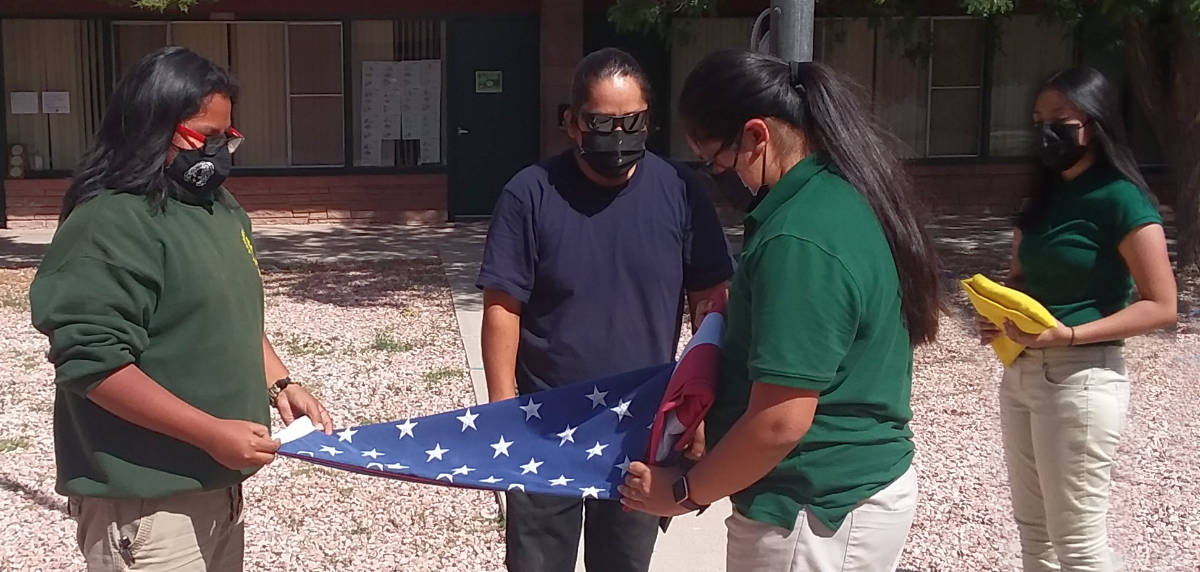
(837, 282)
(1089, 233)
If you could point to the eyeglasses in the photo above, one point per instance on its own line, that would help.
(231, 139)
(709, 166)
(601, 123)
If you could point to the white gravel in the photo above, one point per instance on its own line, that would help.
(376, 342)
(380, 342)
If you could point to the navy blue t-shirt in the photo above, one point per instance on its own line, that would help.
(601, 271)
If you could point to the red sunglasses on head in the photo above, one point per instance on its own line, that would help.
(230, 139)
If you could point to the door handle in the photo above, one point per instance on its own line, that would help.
(462, 131)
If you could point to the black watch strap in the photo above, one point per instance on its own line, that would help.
(682, 494)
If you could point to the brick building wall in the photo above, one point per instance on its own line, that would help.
(995, 189)
(357, 199)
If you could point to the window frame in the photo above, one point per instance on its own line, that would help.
(346, 167)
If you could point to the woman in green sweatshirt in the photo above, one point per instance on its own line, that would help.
(153, 304)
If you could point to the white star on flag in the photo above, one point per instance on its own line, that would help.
(468, 420)
(531, 467)
(624, 467)
(372, 454)
(622, 410)
(569, 429)
(567, 434)
(330, 451)
(406, 428)
(501, 447)
(531, 409)
(561, 481)
(597, 397)
(347, 435)
(463, 470)
(436, 452)
(597, 450)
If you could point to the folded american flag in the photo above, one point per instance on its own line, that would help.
(577, 440)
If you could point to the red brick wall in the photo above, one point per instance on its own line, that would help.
(946, 189)
(996, 189)
(34, 203)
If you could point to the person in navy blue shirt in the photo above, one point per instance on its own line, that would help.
(588, 259)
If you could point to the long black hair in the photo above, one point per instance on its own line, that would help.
(1090, 92)
(129, 152)
(603, 64)
(729, 88)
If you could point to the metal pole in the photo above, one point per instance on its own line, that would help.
(792, 29)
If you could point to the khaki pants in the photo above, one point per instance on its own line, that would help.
(198, 531)
(1062, 411)
(870, 539)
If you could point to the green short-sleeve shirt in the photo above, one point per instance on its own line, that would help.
(815, 304)
(1069, 255)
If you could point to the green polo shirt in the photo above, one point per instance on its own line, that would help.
(815, 304)
(178, 294)
(1069, 255)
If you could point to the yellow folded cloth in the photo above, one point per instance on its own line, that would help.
(998, 303)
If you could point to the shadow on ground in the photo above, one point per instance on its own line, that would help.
(52, 502)
(15, 253)
(381, 283)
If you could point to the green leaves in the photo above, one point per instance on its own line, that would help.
(164, 5)
(645, 16)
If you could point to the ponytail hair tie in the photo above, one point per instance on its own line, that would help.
(794, 80)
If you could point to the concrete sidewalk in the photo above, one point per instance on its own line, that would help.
(692, 543)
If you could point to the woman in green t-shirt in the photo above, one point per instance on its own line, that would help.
(1089, 233)
(837, 282)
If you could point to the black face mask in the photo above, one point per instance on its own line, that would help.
(201, 172)
(612, 155)
(1058, 145)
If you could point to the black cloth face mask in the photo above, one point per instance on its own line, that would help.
(1058, 145)
(201, 171)
(612, 155)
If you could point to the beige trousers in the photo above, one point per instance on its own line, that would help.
(199, 531)
(870, 539)
(1062, 411)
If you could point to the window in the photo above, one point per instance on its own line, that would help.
(955, 87)
(1028, 52)
(900, 96)
(53, 57)
(290, 103)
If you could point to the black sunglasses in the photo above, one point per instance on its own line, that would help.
(601, 123)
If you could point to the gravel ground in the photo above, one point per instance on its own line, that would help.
(375, 342)
(380, 342)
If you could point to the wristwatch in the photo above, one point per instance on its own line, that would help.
(276, 388)
(683, 495)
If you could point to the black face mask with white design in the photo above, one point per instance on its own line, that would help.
(201, 172)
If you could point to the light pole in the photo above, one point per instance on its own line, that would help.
(791, 30)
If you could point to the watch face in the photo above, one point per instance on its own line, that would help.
(679, 490)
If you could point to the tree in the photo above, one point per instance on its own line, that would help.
(1160, 40)
(164, 5)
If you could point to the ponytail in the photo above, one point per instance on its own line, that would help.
(729, 88)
